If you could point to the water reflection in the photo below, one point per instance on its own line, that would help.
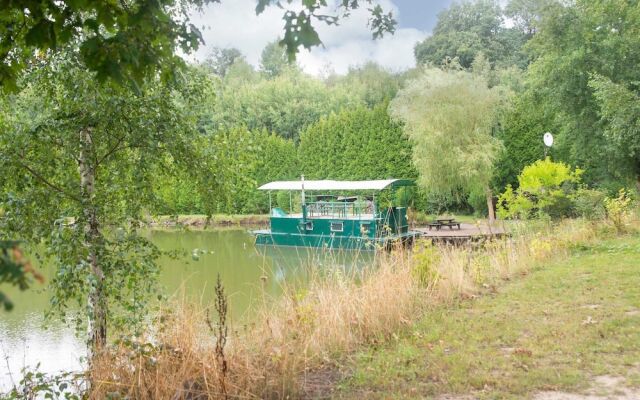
(247, 272)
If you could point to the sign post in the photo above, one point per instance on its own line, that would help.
(547, 138)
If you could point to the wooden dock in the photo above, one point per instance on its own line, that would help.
(466, 233)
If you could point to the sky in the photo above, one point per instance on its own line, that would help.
(233, 23)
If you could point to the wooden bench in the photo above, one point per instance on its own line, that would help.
(451, 224)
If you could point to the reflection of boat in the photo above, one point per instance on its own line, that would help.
(328, 221)
(294, 258)
(297, 265)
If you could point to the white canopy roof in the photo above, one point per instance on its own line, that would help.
(335, 185)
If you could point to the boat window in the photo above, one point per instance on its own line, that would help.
(337, 227)
(309, 226)
(364, 228)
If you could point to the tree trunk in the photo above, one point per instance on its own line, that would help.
(492, 213)
(97, 304)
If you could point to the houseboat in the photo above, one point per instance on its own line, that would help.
(337, 214)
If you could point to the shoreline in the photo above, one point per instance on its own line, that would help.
(203, 221)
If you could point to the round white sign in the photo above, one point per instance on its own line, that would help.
(548, 139)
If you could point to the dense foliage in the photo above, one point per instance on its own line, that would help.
(356, 144)
(284, 105)
(449, 117)
(544, 188)
(585, 75)
(131, 40)
(469, 28)
(79, 161)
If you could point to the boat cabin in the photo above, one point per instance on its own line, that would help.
(347, 218)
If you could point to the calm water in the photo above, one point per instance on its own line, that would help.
(244, 269)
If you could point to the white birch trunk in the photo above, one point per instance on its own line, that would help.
(97, 305)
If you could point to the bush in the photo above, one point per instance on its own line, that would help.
(545, 188)
(556, 205)
(589, 204)
(619, 209)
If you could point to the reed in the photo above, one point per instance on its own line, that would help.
(295, 343)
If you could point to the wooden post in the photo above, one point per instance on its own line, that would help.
(492, 213)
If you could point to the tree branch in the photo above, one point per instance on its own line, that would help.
(39, 177)
(111, 151)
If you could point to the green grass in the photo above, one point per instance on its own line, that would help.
(552, 330)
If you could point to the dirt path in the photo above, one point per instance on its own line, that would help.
(604, 387)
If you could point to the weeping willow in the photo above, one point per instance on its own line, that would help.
(449, 116)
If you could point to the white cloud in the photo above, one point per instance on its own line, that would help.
(233, 23)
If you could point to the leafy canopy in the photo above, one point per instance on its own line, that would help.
(356, 144)
(46, 206)
(448, 117)
(469, 28)
(545, 187)
(129, 40)
(585, 75)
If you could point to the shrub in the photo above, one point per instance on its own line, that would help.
(589, 203)
(425, 261)
(618, 209)
(545, 188)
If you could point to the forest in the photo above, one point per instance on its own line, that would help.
(254, 125)
(275, 122)
(104, 127)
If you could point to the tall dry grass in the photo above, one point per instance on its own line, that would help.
(294, 340)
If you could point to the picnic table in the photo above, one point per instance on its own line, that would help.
(440, 222)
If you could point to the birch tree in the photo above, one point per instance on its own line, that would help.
(79, 159)
(449, 116)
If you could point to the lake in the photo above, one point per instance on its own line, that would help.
(246, 272)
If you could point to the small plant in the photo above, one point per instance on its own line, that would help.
(425, 261)
(618, 209)
(38, 385)
(222, 333)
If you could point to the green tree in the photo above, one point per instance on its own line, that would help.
(274, 60)
(449, 117)
(370, 82)
(220, 60)
(527, 14)
(79, 165)
(544, 187)
(620, 115)
(356, 144)
(284, 105)
(130, 40)
(579, 47)
(521, 128)
(257, 158)
(466, 29)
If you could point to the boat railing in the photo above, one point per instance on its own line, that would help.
(340, 209)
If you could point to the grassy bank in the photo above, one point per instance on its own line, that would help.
(201, 220)
(567, 323)
(390, 317)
